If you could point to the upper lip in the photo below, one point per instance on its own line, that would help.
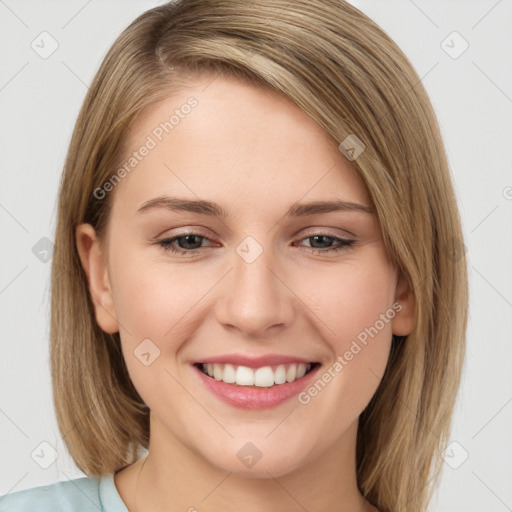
(253, 362)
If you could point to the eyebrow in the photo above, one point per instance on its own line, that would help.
(210, 208)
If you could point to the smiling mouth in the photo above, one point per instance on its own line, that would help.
(263, 377)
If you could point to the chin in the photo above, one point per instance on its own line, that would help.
(262, 469)
(259, 459)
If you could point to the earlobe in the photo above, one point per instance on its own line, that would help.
(95, 267)
(404, 319)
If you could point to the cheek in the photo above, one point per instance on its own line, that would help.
(356, 317)
(154, 304)
(351, 300)
(151, 298)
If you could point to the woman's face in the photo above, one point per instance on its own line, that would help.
(214, 256)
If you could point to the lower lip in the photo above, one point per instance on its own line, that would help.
(246, 397)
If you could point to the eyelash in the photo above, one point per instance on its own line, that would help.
(167, 246)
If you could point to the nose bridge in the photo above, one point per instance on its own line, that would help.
(255, 299)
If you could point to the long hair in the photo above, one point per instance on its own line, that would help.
(348, 75)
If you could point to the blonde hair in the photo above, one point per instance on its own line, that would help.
(344, 71)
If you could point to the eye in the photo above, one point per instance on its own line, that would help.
(191, 243)
(188, 243)
(324, 238)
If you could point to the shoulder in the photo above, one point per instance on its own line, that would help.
(81, 494)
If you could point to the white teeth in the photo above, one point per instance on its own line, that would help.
(263, 377)
(301, 371)
(280, 375)
(291, 373)
(244, 376)
(229, 374)
(217, 372)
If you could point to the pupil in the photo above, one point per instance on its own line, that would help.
(187, 241)
(321, 237)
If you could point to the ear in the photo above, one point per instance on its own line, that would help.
(404, 320)
(95, 266)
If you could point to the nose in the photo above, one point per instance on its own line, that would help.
(256, 299)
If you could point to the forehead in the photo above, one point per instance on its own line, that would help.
(224, 139)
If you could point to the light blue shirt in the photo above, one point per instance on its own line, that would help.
(84, 494)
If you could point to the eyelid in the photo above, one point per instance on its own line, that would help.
(186, 230)
(319, 230)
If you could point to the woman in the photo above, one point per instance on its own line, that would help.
(254, 275)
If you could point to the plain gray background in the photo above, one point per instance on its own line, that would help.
(471, 90)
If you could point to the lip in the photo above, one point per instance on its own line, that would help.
(245, 397)
(253, 362)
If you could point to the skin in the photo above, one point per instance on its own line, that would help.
(255, 153)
